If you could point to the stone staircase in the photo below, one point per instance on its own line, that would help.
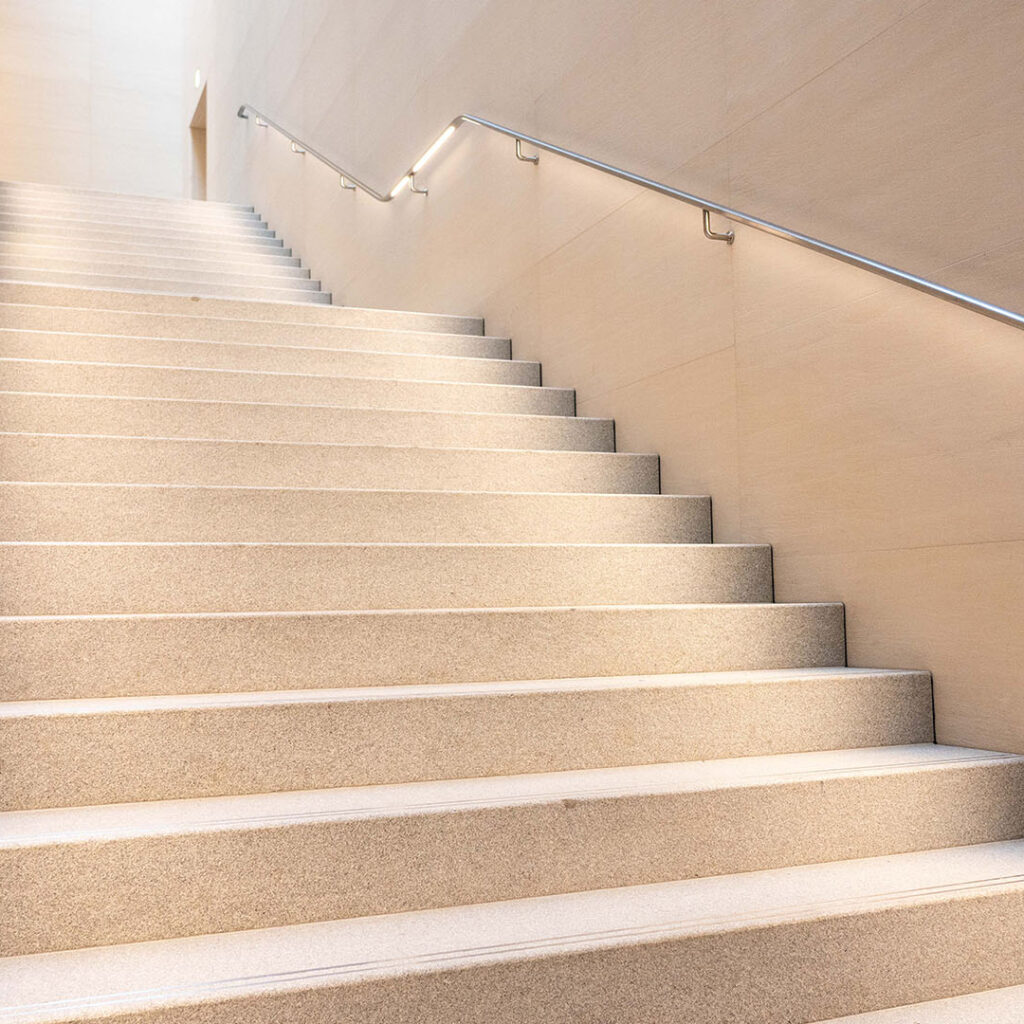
(348, 676)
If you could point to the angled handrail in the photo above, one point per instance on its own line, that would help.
(408, 180)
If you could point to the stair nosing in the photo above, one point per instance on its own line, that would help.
(465, 795)
(232, 319)
(293, 373)
(332, 444)
(482, 928)
(228, 700)
(297, 348)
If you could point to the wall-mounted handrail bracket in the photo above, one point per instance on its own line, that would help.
(716, 236)
(708, 206)
(296, 148)
(347, 186)
(535, 159)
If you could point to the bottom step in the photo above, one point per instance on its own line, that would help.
(791, 944)
(997, 1006)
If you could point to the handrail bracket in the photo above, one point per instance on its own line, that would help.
(716, 236)
(535, 159)
(413, 188)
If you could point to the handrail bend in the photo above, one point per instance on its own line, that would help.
(408, 180)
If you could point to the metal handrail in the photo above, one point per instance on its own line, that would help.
(408, 180)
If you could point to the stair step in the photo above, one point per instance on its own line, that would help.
(135, 265)
(142, 256)
(73, 193)
(14, 269)
(68, 458)
(180, 381)
(115, 749)
(212, 328)
(94, 876)
(995, 1006)
(32, 243)
(167, 229)
(101, 578)
(289, 290)
(171, 512)
(893, 929)
(126, 655)
(136, 215)
(239, 355)
(264, 421)
(212, 246)
(82, 299)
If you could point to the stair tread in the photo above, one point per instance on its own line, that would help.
(46, 188)
(994, 1006)
(58, 296)
(166, 702)
(96, 706)
(264, 810)
(272, 322)
(318, 444)
(384, 381)
(48, 986)
(213, 342)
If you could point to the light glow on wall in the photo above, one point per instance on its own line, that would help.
(398, 188)
(197, 78)
(444, 137)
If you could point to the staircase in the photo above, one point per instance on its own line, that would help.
(349, 676)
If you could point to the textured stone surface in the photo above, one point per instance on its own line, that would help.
(367, 658)
(121, 579)
(141, 512)
(260, 421)
(106, 750)
(160, 460)
(241, 355)
(62, 376)
(339, 316)
(997, 1006)
(130, 873)
(149, 654)
(736, 947)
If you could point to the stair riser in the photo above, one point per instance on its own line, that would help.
(218, 654)
(98, 893)
(44, 579)
(884, 957)
(127, 265)
(126, 214)
(105, 227)
(280, 745)
(210, 247)
(84, 414)
(110, 513)
(63, 193)
(339, 316)
(207, 328)
(229, 386)
(69, 257)
(180, 281)
(155, 461)
(100, 348)
(98, 249)
(63, 271)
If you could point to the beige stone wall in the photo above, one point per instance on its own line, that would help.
(872, 434)
(91, 94)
